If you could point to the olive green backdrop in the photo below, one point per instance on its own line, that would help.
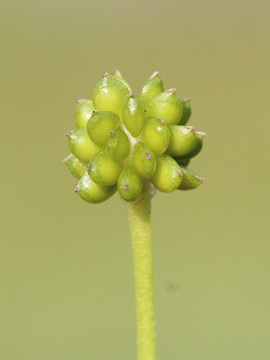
(66, 282)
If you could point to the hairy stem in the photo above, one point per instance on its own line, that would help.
(139, 220)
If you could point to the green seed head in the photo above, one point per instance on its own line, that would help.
(118, 145)
(103, 169)
(144, 160)
(117, 75)
(166, 106)
(75, 166)
(186, 111)
(133, 116)
(191, 180)
(92, 192)
(156, 135)
(152, 88)
(83, 112)
(81, 146)
(199, 144)
(183, 140)
(110, 94)
(100, 126)
(168, 175)
(129, 183)
(124, 142)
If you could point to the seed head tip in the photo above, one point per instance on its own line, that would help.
(69, 133)
(149, 157)
(201, 179)
(161, 120)
(65, 159)
(156, 73)
(201, 133)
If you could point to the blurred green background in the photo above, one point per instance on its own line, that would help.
(66, 266)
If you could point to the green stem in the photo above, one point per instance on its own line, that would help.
(139, 221)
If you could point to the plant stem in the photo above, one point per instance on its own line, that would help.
(140, 228)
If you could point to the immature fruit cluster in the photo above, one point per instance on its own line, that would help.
(124, 142)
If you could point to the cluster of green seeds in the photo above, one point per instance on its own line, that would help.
(123, 142)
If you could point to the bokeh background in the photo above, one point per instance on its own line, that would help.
(66, 281)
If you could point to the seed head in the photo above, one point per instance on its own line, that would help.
(122, 141)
